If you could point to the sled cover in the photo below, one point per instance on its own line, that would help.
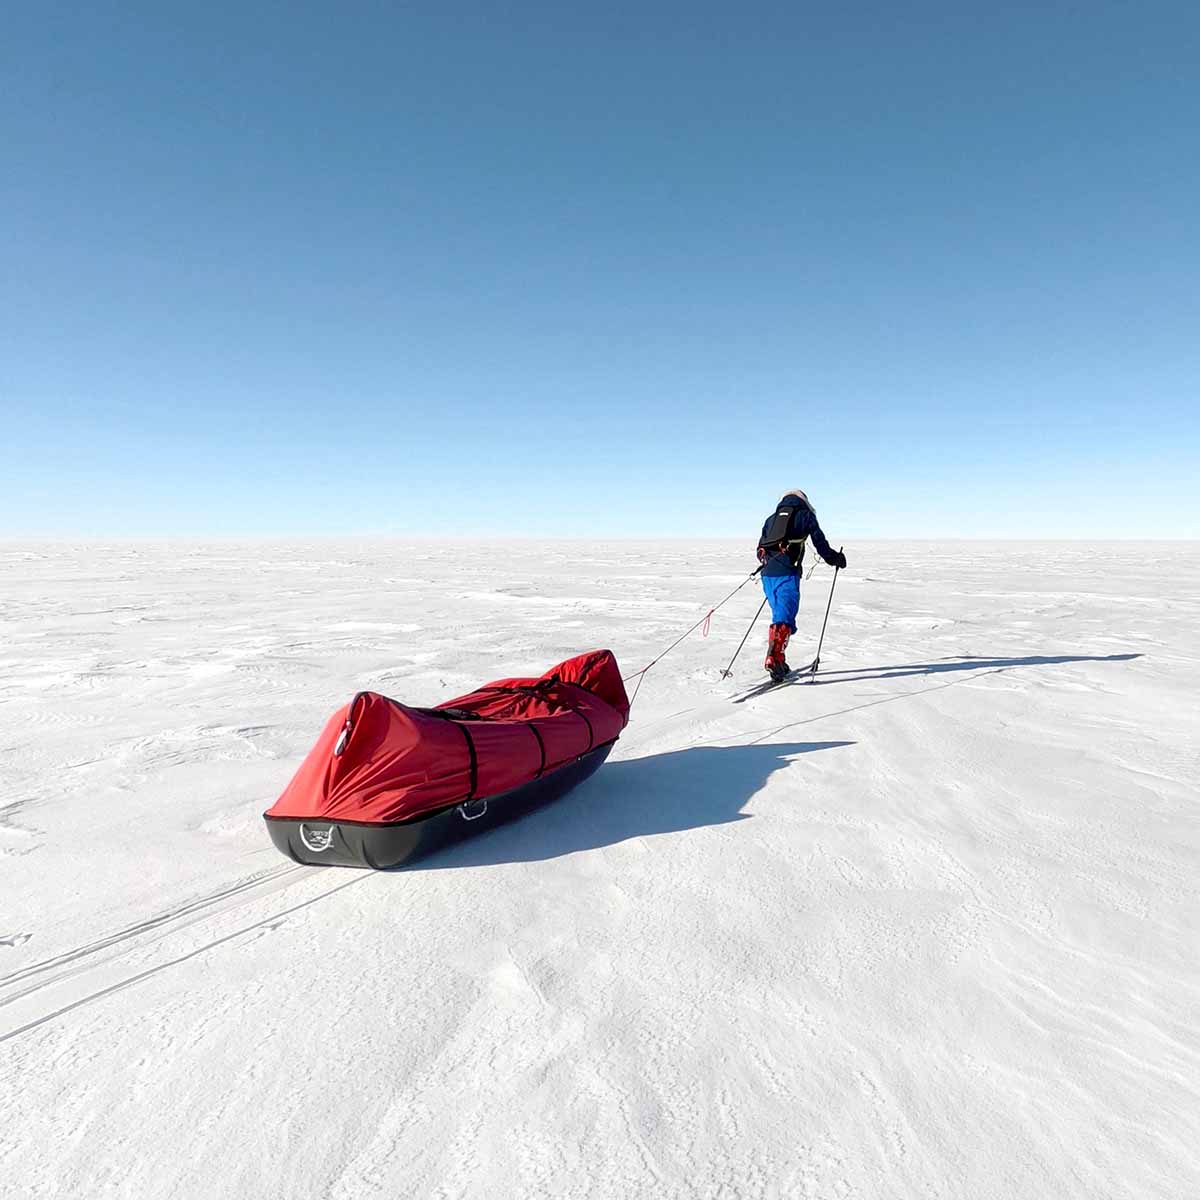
(379, 761)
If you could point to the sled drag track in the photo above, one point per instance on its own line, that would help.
(43, 991)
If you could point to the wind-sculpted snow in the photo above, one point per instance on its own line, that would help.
(926, 927)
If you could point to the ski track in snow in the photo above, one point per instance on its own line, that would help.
(924, 927)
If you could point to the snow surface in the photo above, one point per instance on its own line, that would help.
(925, 928)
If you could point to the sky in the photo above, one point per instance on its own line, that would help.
(620, 269)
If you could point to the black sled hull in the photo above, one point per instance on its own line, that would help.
(349, 844)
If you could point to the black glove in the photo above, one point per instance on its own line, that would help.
(838, 560)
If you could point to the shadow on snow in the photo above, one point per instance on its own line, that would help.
(980, 666)
(692, 788)
(966, 662)
(633, 797)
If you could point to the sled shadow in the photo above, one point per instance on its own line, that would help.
(966, 662)
(631, 798)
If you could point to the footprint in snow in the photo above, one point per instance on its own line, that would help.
(14, 939)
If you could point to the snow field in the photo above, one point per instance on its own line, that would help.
(927, 927)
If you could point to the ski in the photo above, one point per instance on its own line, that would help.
(794, 676)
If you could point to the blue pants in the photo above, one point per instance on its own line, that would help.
(783, 594)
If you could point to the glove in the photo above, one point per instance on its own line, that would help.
(838, 560)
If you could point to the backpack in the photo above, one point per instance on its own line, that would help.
(778, 536)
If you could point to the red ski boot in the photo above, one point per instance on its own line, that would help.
(775, 663)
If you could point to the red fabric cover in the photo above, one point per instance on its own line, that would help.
(400, 762)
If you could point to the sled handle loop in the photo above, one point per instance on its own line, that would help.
(344, 737)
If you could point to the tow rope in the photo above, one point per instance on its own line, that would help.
(705, 620)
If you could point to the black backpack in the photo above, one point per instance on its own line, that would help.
(780, 525)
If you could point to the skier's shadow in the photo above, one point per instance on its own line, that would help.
(631, 798)
(965, 662)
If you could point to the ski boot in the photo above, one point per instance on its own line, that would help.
(775, 663)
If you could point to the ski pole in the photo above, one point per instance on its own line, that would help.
(729, 669)
(829, 602)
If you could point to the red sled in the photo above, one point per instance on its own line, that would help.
(386, 783)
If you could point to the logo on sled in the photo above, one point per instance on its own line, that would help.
(317, 840)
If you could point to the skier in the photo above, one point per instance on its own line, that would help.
(781, 552)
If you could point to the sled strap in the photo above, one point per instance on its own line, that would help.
(452, 714)
(474, 760)
(538, 689)
(541, 747)
(580, 713)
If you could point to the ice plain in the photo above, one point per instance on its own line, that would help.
(928, 927)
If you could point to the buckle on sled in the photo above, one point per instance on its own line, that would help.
(472, 816)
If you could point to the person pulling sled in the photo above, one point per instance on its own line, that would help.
(781, 553)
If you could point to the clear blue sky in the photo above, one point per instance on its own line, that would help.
(624, 268)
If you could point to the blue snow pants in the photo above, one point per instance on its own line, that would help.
(783, 594)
